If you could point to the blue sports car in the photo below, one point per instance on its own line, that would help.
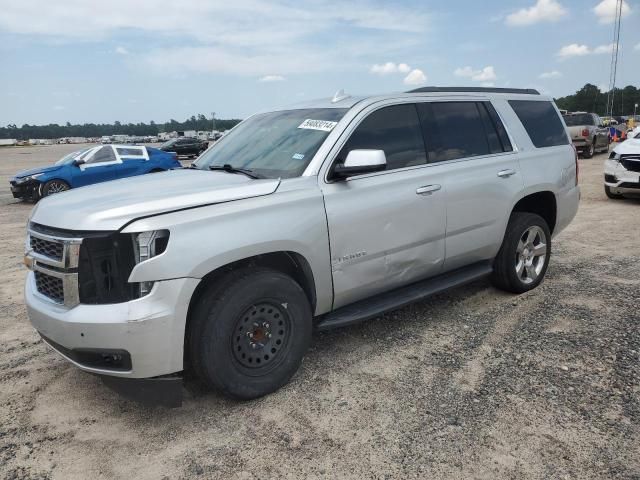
(91, 165)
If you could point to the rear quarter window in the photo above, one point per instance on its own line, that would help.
(541, 121)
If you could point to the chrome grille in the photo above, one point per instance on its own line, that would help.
(51, 287)
(48, 248)
(54, 259)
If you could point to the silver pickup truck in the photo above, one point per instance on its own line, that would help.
(587, 133)
(310, 217)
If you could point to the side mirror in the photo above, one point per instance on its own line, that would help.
(359, 162)
(77, 163)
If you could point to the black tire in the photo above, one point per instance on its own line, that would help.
(611, 195)
(506, 275)
(253, 306)
(590, 150)
(53, 186)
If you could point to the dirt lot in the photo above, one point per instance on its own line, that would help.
(474, 383)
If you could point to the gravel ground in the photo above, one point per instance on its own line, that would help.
(474, 383)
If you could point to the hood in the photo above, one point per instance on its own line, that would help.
(110, 205)
(33, 171)
(628, 147)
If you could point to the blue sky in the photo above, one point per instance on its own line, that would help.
(97, 61)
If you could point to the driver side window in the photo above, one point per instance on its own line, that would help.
(394, 129)
(104, 155)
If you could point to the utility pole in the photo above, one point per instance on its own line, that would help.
(213, 121)
(614, 59)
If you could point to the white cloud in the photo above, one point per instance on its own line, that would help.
(606, 10)
(542, 11)
(486, 74)
(573, 50)
(122, 51)
(415, 77)
(243, 37)
(552, 74)
(390, 67)
(271, 78)
(637, 47)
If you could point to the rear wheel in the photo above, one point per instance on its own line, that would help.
(249, 332)
(53, 186)
(590, 150)
(523, 258)
(611, 195)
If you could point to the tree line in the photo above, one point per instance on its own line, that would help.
(591, 99)
(53, 130)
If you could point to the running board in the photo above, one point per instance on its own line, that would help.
(379, 304)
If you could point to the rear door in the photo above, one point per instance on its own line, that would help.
(134, 161)
(468, 146)
(386, 229)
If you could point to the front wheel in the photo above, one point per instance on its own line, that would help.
(249, 332)
(523, 258)
(53, 186)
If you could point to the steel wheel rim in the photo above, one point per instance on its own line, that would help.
(260, 335)
(56, 187)
(531, 254)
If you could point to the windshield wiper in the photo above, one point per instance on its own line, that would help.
(228, 168)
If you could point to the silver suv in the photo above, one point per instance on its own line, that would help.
(311, 217)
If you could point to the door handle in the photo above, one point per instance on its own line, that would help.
(428, 189)
(506, 173)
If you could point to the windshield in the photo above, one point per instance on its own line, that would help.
(275, 144)
(578, 119)
(71, 157)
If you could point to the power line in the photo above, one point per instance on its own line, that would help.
(614, 59)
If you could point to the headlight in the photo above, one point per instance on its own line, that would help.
(614, 156)
(147, 245)
(29, 178)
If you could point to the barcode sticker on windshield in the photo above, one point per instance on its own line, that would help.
(322, 125)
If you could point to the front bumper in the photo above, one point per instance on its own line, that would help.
(620, 180)
(149, 330)
(26, 190)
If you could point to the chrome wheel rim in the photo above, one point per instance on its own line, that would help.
(531, 254)
(56, 187)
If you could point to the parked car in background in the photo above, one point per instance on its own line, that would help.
(317, 216)
(106, 139)
(622, 168)
(89, 166)
(587, 132)
(188, 146)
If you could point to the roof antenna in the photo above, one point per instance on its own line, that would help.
(340, 95)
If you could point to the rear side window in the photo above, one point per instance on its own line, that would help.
(458, 129)
(541, 121)
(396, 130)
(130, 151)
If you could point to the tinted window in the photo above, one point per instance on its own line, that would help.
(499, 126)
(105, 154)
(577, 119)
(541, 121)
(396, 130)
(454, 130)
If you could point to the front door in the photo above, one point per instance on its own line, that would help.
(386, 229)
(100, 166)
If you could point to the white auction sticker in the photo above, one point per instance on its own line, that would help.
(323, 125)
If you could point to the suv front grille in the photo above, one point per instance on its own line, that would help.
(49, 286)
(48, 248)
(631, 165)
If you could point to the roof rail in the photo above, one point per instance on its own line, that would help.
(528, 91)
